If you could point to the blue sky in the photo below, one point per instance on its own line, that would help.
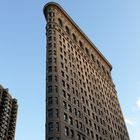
(113, 26)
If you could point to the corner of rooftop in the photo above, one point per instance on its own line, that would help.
(72, 21)
(51, 3)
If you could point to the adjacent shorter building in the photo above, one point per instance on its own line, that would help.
(8, 115)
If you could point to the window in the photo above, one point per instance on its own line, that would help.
(92, 135)
(87, 51)
(71, 120)
(65, 104)
(50, 126)
(56, 100)
(74, 37)
(67, 30)
(98, 63)
(71, 133)
(90, 123)
(49, 89)
(97, 119)
(88, 112)
(49, 52)
(108, 74)
(69, 108)
(56, 89)
(50, 78)
(91, 106)
(79, 114)
(97, 138)
(81, 44)
(80, 125)
(64, 93)
(75, 111)
(60, 22)
(61, 50)
(57, 113)
(50, 60)
(66, 68)
(67, 77)
(55, 60)
(63, 83)
(66, 131)
(60, 43)
(78, 137)
(55, 69)
(84, 109)
(61, 56)
(55, 78)
(87, 131)
(62, 65)
(83, 100)
(62, 72)
(49, 38)
(86, 120)
(93, 58)
(68, 87)
(50, 69)
(65, 117)
(50, 100)
(50, 138)
(83, 138)
(76, 123)
(49, 45)
(50, 113)
(78, 104)
(57, 126)
(69, 97)
(54, 52)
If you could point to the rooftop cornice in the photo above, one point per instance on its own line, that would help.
(77, 27)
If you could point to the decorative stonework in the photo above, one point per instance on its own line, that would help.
(81, 100)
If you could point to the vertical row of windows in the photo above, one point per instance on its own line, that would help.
(52, 89)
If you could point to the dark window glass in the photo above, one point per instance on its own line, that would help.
(50, 100)
(60, 22)
(49, 89)
(66, 131)
(67, 30)
(50, 78)
(74, 37)
(50, 113)
(50, 126)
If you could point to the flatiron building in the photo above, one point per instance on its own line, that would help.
(81, 99)
(8, 115)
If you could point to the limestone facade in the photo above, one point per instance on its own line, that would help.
(81, 100)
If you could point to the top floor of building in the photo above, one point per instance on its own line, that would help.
(54, 13)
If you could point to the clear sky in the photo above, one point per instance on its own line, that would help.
(112, 25)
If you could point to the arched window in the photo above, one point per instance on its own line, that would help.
(60, 22)
(98, 63)
(103, 69)
(93, 58)
(87, 51)
(67, 30)
(74, 37)
(81, 44)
